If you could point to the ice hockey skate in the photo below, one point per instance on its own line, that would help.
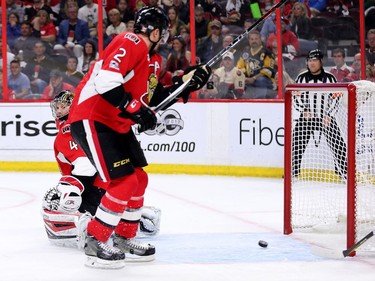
(135, 251)
(101, 255)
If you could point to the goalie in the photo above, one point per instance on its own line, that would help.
(70, 205)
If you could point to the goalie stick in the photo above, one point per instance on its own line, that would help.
(347, 252)
(218, 56)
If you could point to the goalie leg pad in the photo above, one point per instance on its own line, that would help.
(150, 222)
(81, 223)
(60, 227)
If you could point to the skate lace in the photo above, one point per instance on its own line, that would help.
(107, 248)
(136, 244)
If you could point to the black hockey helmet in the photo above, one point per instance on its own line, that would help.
(148, 19)
(315, 54)
(64, 98)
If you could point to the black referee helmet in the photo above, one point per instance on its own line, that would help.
(315, 54)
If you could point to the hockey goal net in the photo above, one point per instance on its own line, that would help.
(329, 180)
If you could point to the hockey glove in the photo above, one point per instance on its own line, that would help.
(140, 114)
(199, 75)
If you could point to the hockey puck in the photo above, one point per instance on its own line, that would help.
(262, 244)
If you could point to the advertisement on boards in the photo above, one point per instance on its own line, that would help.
(220, 133)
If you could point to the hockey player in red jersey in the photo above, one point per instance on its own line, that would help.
(108, 103)
(68, 206)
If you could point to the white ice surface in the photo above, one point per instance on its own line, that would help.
(210, 229)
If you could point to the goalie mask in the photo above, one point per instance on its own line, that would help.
(65, 196)
(60, 105)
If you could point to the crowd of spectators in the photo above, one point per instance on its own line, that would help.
(51, 44)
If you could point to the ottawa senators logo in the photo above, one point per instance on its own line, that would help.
(152, 83)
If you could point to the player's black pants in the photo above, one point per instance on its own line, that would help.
(113, 154)
(302, 133)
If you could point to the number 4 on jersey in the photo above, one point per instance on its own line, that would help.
(73, 145)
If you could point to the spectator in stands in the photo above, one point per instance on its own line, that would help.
(72, 76)
(48, 33)
(230, 81)
(317, 6)
(158, 4)
(290, 47)
(89, 55)
(182, 10)
(38, 68)
(66, 4)
(356, 65)
(174, 22)
(89, 13)
(370, 17)
(18, 82)
(116, 25)
(26, 41)
(43, 24)
(338, 7)
(179, 57)
(290, 44)
(10, 56)
(213, 10)
(369, 70)
(126, 14)
(341, 70)
(2, 94)
(56, 85)
(31, 11)
(258, 64)
(244, 43)
(106, 39)
(201, 24)
(300, 21)
(13, 29)
(212, 44)
(233, 12)
(185, 33)
(73, 33)
(237, 52)
(12, 6)
(268, 27)
(165, 76)
(130, 26)
(370, 51)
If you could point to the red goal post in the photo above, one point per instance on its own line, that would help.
(316, 194)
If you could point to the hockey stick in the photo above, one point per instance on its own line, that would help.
(347, 252)
(219, 55)
(171, 96)
(245, 33)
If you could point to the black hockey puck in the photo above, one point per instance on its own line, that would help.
(262, 244)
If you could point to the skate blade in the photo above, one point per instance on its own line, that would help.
(95, 262)
(134, 258)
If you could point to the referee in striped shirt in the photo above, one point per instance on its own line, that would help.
(317, 114)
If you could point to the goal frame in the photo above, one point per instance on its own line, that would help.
(351, 154)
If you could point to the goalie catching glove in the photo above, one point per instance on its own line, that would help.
(199, 75)
(65, 197)
(138, 113)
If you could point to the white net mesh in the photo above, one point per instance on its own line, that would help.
(319, 159)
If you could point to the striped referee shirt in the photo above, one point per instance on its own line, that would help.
(318, 103)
